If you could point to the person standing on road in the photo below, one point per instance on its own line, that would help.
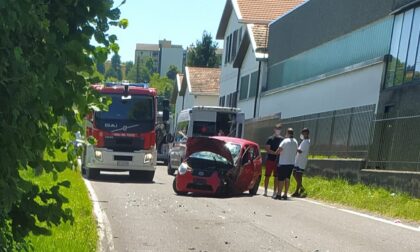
(287, 151)
(301, 161)
(271, 146)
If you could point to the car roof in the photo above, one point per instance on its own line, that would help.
(235, 140)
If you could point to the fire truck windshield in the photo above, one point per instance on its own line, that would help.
(138, 108)
(130, 115)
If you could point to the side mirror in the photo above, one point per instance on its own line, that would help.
(169, 138)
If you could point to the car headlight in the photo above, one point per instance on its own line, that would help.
(98, 155)
(183, 168)
(148, 158)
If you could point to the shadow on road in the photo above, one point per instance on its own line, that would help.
(122, 178)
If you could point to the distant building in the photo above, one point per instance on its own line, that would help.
(170, 55)
(163, 55)
(144, 51)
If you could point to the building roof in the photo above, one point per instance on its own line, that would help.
(254, 12)
(264, 11)
(203, 81)
(147, 47)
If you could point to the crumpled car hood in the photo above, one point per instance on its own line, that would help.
(197, 144)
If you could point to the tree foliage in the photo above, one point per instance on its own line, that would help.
(203, 53)
(115, 70)
(46, 65)
(172, 72)
(163, 85)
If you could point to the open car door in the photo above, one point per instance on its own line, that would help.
(246, 170)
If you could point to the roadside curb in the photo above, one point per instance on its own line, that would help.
(105, 242)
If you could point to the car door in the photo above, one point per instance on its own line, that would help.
(246, 170)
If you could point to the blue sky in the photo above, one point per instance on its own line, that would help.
(181, 21)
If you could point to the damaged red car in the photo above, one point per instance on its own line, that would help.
(219, 165)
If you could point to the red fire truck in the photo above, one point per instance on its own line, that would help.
(125, 134)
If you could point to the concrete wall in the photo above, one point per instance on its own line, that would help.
(350, 89)
(206, 100)
(354, 172)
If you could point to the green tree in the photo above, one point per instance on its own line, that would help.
(150, 65)
(46, 67)
(203, 53)
(100, 67)
(128, 66)
(142, 76)
(163, 85)
(115, 70)
(172, 72)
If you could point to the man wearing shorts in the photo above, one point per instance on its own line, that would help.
(271, 146)
(301, 161)
(287, 151)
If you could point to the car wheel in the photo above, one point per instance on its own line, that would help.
(170, 170)
(254, 189)
(176, 190)
(92, 173)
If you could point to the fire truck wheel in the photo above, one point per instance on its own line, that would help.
(146, 176)
(92, 173)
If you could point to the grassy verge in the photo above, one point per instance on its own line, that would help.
(369, 198)
(82, 235)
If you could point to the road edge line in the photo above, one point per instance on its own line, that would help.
(104, 227)
(368, 216)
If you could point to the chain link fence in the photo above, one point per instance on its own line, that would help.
(396, 143)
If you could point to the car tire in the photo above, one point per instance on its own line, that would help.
(176, 190)
(170, 170)
(92, 173)
(254, 189)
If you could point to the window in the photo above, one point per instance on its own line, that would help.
(229, 47)
(239, 37)
(243, 92)
(403, 62)
(234, 44)
(253, 84)
(234, 99)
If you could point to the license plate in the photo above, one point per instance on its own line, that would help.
(122, 163)
(200, 181)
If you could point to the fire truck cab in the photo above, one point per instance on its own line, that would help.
(125, 134)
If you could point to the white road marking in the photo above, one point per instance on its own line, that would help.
(360, 214)
(104, 227)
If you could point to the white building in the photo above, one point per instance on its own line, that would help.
(244, 29)
(199, 86)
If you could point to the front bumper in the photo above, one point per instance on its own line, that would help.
(197, 184)
(123, 161)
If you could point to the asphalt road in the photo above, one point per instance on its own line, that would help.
(150, 217)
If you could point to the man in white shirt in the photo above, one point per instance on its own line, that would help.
(301, 161)
(287, 151)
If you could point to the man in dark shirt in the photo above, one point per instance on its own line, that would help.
(271, 146)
